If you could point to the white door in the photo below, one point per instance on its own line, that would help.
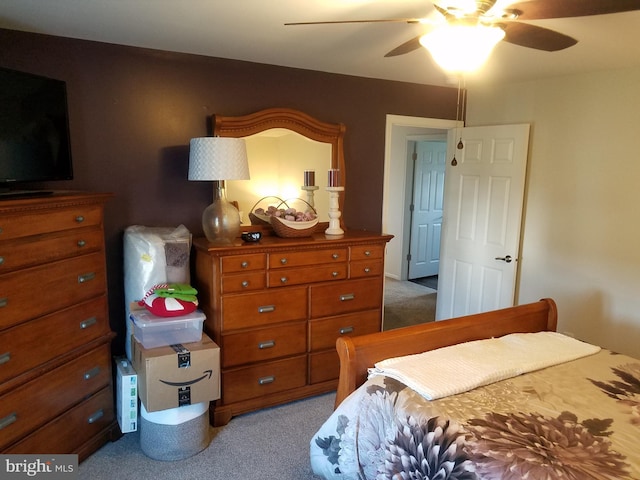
(429, 158)
(483, 203)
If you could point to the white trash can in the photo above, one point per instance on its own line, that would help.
(176, 433)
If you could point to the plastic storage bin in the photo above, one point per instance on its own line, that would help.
(153, 331)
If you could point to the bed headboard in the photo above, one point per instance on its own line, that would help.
(359, 353)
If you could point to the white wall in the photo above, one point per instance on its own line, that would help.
(581, 237)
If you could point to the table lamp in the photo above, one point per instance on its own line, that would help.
(218, 159)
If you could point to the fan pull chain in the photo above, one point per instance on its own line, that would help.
(460, 144)
(464, 111)
(454, 162)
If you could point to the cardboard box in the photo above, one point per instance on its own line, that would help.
(126, 395)
(177, 375)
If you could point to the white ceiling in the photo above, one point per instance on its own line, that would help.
(254, 30)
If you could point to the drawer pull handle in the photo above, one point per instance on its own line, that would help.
(345, 330)
(266, 380)
(367, 269)
(283, 261)
(91, 373)
(283, 279)
(95, 416)
(8, 420)
(367, 253)
(79, 219)
(334, 274)
(347, 296)
(88, 322)
(335, 256)
(85, 277)
(81, 243)
(266, 308)
(5, 357)
(267, 344)
(4, 302)
(245, 283)
(244, 264)
(1, 260)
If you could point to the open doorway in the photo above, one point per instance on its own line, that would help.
(475, 275)
(406, 303)
(398, 178)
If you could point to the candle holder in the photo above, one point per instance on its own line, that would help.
(334, 211)
(310, 189)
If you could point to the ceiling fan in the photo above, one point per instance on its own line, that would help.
(508, 18)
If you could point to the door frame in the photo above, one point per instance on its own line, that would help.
(396, 194)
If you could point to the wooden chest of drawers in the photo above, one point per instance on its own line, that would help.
(56, 392)
(277, 307)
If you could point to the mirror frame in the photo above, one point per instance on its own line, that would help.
(289, 119)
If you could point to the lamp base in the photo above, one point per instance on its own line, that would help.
(221, 220)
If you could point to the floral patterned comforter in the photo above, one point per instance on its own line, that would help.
(577, 420)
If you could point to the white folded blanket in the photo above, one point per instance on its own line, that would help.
(463, 367)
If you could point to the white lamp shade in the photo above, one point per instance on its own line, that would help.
(218, 158)
(462, 48)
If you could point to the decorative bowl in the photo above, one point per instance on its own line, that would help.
(259, 219)
(290, 229)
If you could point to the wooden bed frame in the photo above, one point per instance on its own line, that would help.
(359, 353)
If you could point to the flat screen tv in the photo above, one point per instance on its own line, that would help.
(34, 132)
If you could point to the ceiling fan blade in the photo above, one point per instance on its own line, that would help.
(337, 22)
(532, 36)
(543, 9)
(406, 47)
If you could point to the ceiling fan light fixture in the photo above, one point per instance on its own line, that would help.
(459, 8)
(461, 48)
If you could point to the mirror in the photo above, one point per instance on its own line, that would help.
(282, 144)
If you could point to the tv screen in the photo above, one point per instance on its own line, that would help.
(34, 130)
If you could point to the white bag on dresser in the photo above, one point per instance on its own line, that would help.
(153, 255)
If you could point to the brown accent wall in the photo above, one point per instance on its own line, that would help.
(133, 112)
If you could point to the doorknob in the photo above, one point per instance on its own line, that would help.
(505, 259)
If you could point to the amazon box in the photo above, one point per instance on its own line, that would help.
(177, 375)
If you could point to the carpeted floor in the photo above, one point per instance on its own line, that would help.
(263, 445)
(268, 444)
(407, 303)
(431, 282)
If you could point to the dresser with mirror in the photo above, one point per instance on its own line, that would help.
(276, 307)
